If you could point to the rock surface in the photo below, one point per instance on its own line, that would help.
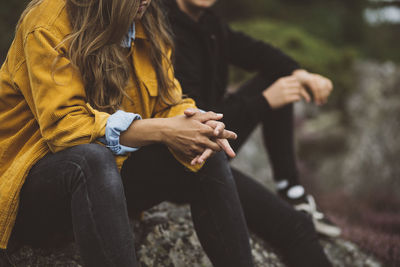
(166, 238)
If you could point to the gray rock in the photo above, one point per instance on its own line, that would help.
(357, 149)
(166, 238)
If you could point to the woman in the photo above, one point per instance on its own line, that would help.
(69, 74)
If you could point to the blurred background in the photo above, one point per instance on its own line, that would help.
(348, 150)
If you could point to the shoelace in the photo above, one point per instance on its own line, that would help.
(310, 207)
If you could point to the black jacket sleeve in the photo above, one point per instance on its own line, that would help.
(255, 55)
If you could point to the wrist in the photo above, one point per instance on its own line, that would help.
(144, 132)
(164, 129)
(267, 94)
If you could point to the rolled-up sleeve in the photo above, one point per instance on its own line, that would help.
(116, 124)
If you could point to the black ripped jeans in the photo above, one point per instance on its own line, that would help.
(81, 189)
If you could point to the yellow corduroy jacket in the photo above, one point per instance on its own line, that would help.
(42, 113)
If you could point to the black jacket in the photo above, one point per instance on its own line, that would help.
(204, 50)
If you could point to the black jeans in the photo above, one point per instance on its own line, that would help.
(278, 129)
(81, 189)
(291, 233)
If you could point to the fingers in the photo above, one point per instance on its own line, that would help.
(206, 154)
(224, 144)
(219, 130)
(297, 91)
(289, 82)
(320, 87)
(207, 143)
(289, 79)
(326, 88)
(195, 161)
(226, 134)
(203, 117)
(203, 157)
(217, 126)
(305, 95)
(312, 84)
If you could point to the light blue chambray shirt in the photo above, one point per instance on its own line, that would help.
(127, 42)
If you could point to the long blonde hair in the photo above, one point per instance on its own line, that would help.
(98, 28)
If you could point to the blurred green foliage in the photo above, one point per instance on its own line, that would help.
(338, 22)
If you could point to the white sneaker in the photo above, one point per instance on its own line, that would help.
(322, 224)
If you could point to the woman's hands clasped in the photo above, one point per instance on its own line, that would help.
(198, 135)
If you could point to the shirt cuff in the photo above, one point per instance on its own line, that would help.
(117, 123)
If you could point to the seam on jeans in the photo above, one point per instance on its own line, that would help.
(101, 242)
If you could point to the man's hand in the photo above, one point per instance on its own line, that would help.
(320, 86)
(220, 134)
(284, 91)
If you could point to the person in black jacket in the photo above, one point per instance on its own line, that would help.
(205, 47)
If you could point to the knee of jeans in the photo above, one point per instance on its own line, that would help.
(218, 158)
(217, 167)
(93, 157)
(97, 167)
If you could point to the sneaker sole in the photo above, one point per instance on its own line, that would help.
(327, 230)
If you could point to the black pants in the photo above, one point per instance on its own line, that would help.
(81, 189)
(278, 132)
(290, 232)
